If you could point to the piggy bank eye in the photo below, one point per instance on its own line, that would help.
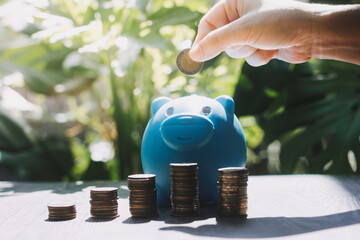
(170, 111)
(206, 110)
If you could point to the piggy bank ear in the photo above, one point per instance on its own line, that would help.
(157, 103)
(227, 102)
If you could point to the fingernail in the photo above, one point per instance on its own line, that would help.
(195, 53)
(255, 60)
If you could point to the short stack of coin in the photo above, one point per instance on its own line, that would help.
(184, 189)
(232, 191)
(61, 211)
(104, 202)
(142, 198)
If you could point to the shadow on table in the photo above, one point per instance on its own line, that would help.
(14, 188)
(206, 211)
(269, 226)
(94, 220)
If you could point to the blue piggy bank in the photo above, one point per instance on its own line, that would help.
(192, 129)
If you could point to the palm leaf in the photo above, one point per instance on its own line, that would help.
(312, 103)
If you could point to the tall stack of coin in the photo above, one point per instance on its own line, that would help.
(184, 189)
(104, 202)
(61, 211)
(142, 195)
(232, 191)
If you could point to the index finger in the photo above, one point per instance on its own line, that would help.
(219, 15)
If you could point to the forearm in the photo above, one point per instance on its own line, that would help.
(336, 33)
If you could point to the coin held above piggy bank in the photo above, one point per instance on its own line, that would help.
(186, 65)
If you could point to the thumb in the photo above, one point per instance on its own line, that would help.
(220, 39)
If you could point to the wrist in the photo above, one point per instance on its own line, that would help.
(322, 41)
(335, 32)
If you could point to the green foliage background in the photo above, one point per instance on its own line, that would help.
(94, 67)
(89, 70)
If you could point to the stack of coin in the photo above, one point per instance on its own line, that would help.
(104, 202)
(142, 195)
(232, 191)
(184, 189)
(61, 211)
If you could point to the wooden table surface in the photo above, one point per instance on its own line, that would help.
(286, 207)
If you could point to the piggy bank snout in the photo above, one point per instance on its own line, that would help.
(186, 132)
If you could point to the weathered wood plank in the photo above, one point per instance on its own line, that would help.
(287, 207)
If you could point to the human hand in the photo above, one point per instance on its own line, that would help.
(257, 30)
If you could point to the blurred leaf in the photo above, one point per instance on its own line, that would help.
(310, 103)
(76, 11)
(38, 81)
(12, 136)
(138, 4)
(96, 171)
(49, 159)
(173, 16)
(9, 39)
(306, 114)
(212, 62)
(301, 143)
(153, 40)
(32, 61)
(356, 149)
(73, 86)
(250, 92)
